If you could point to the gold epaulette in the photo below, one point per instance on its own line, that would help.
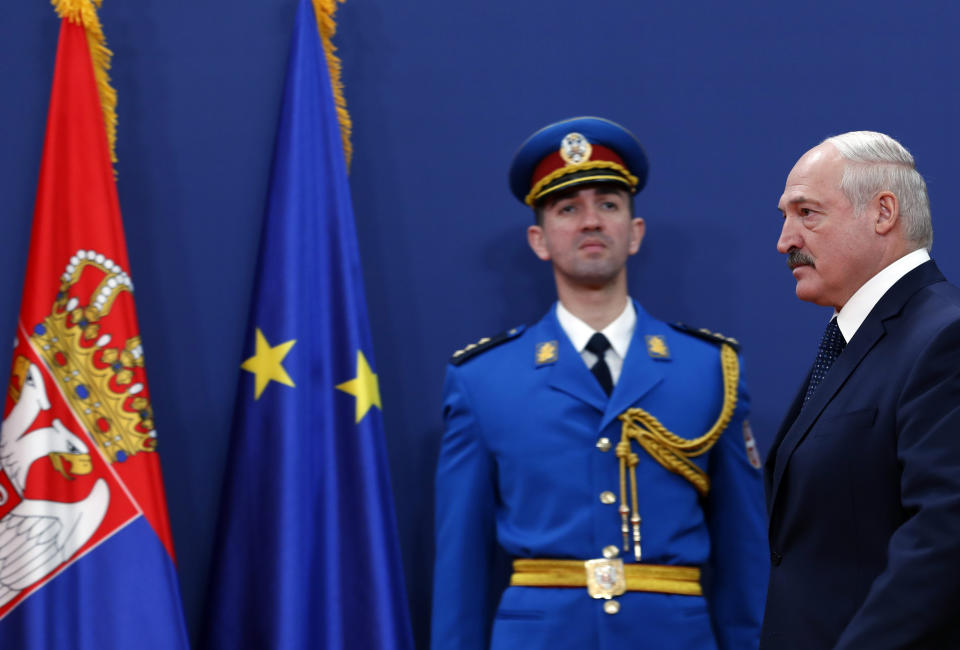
(484, 344)
(707, 335)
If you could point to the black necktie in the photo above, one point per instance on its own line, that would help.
(598, 344)
(831, 345)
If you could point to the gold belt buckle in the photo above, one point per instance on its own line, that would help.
(605, 578)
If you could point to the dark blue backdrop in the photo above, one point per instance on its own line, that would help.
(725, 98)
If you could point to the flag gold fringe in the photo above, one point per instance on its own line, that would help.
(84, 13)
(325, 9)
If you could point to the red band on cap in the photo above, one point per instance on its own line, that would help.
(554, 162)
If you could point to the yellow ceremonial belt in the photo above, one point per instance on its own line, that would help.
(605, 578)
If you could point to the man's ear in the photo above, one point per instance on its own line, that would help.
(888, 211)
(537, 242)
(638, 227)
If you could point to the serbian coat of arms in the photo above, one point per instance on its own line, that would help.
(77, 428)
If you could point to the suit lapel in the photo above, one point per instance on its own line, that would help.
(789, 418)
(867, 336)
(568, 374)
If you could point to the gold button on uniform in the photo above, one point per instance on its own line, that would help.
(610, 552)
(611, 607)
(603, 444)
(608, 497)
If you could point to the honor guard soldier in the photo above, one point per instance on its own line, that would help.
(607, 452)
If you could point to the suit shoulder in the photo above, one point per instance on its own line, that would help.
(706, 335)
(472, 350)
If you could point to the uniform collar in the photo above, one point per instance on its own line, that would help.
(619, 332)
(861, 303)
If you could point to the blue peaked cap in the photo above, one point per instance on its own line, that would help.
(574, 152)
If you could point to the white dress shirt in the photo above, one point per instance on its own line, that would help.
(861, 303)
(619, 333)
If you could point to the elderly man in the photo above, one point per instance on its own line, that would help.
(606, 451)
(863, 480)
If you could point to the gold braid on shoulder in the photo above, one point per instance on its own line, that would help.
(669, 449)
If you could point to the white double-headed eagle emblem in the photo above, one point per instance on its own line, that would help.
(37, 536)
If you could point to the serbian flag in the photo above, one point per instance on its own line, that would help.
(307, 553)
(86, 555)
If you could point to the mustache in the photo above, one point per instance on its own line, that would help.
(796, 257)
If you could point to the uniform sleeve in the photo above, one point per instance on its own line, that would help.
(738, 536)
(914, 600)
(465, 527)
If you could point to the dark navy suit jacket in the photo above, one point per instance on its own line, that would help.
(863, 486)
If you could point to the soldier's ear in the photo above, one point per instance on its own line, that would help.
(638, 228)
(537, 242)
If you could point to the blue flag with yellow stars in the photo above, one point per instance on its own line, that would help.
(306, 554)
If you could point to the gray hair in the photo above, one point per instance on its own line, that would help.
(877, 162)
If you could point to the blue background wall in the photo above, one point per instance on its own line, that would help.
(724, 98)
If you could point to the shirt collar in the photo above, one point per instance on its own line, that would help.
(619, 332)
(861, 303)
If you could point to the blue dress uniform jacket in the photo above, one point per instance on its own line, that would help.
(520, 467)
(863, 486)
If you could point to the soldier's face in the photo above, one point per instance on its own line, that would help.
(588, 234)
(830, 249)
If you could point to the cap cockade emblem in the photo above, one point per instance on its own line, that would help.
(575, 149)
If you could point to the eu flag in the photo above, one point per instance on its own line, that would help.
(307, 553)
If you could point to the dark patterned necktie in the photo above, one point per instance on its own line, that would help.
(831, 345)
(598, 344)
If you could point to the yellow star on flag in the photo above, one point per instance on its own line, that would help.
(267, 364)
(364, 387)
